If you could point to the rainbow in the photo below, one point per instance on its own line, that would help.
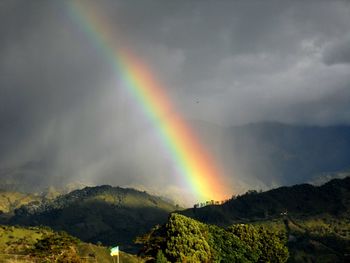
(192, 161)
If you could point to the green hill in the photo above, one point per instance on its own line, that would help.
(110, 215)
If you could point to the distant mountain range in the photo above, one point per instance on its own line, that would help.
(266, 155)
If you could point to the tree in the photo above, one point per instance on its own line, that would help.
(272, 248)
(227, 247)
(186, 240)
(265, 245)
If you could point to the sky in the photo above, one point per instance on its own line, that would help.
(65, 117)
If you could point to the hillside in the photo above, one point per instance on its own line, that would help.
(39, 244)
(111, 215)
(322, 238)
(11, 200)
(316, 219)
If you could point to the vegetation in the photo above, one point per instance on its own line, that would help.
(183, 239)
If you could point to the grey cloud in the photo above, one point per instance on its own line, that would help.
(63, 108)
(338, 52)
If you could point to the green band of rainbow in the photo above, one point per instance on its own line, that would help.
(190, 158)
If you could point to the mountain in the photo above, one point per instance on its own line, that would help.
(266, 155)
(106, 214)
(316, 219)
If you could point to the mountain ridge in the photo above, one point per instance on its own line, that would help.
(332, 197)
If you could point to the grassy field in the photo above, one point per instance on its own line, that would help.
(17, 239)
(19, 244)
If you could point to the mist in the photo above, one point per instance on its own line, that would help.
(65, 117)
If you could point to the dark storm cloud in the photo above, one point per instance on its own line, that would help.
(241, 58)
(338, 52)
(229, 62)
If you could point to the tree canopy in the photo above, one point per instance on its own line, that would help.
(183, 239)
